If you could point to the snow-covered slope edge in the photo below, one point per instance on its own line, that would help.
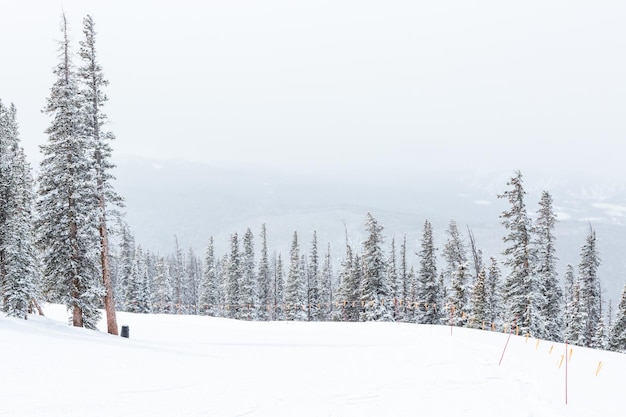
(199, 366)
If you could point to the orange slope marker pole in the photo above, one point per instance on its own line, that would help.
(507, 341)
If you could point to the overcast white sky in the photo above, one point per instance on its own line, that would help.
(341, 85)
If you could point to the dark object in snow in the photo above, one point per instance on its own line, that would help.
(125, 332)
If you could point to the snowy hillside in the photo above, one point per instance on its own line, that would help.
(199, 366)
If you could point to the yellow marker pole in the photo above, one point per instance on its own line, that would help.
(561, 361)
(571, 350)
(599, 367)
(527, 335)
(537, 345)
(550, 351)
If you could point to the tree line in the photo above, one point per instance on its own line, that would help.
(377, 281)
(54, 247)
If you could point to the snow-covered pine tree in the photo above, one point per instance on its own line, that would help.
(519, 286)
(124, 263)
(454, 252)
(138, 293)
(313, 284)
(248, 280)
(494, 295)
(209, 287)
(92, 82)
(192, 280)
(222, 278)
(547, 276)
(294, 287)
(348, 294)
(326, 288)
(18, 257)
(428, 298)
(179, 277)
(263, 278)
(460, 291)
(393, 282)
(404, 284)
(479, 309)
(162, 291)
(575, 318)
(569, 284)
(374, 287)
(279, 287)
(68, 206)
(6, 189)
(600, 338)
(617, 334)
(477, 254)
(233, 271)
(590, 286)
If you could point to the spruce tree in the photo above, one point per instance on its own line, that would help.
(18, 257)
(263, 278)
(548, 281)
(233, 271)
(294, 287)
(209, 287)
(590, 287)
(454, 252)
(393, 282)
(575, 318)
(124, 264)
(248, 279)
(313, 284)
(162, 292)
(326, 288)
(68, 204)
(479, 302)
(374, 288)
(494, 295)
(93, 82)
(348, 294)
(279, 288)
(520, 284)
(427, 295)
(617, 334)
(460, 294)
(138, 293)
(404, 285)
(179, 278)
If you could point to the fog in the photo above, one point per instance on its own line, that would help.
(358, 88)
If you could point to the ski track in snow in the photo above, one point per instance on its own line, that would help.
(200, 366)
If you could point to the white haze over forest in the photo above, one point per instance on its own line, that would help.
(196, 201)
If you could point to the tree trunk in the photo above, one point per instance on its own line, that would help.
(109, 303)
(77, 313)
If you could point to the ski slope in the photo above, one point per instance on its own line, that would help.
(200, 366)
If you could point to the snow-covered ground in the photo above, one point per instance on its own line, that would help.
(199, 366)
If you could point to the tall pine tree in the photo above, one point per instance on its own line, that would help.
(548, 280)
(519, 283)
(427, 296)
(18, 258)
(294, 287)
(589, 287)
(68, 204)
(374, 288)
(93, 82)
